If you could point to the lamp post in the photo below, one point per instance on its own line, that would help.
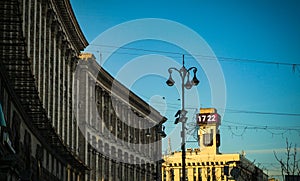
(184, 74)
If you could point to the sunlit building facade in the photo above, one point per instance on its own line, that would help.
(206, 163)
(123, 133)
(49, 128)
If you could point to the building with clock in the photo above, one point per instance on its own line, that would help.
(206, 163)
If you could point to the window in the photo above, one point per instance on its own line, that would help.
(199, 174)
(208, 170)
(186, 174)
(225, 170)
(119, 175)
(180, 173)
(113, 169)
(100, 167)
(208, 139)
(16, 131)
(218, 140)
(222, 177)
(172, 174)
(214, 174)
(27, 145)
(119, 128)
(106, 167)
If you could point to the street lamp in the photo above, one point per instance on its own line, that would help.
(184, 74)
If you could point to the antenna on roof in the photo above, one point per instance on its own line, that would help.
(169, 146)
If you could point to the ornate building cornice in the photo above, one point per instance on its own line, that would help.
(70, 25)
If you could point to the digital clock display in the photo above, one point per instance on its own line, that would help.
(208, 118)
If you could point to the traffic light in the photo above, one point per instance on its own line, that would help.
(181, 116)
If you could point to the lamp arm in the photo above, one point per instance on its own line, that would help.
(192, 68)
(173, 68)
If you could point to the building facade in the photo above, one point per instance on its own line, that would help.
(55, 125)
(206, 163)
(123, 133)
(39, 44)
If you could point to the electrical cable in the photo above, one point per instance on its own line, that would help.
(220, 58)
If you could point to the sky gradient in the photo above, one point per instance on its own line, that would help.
(263, 99)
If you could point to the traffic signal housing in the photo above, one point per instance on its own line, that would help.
(181, 116)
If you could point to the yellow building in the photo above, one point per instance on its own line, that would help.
(207, 163)
(273, 179)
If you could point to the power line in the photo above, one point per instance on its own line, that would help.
(220, 58)
(274, 130)
(138, 49)
(232, 111)
(239, 129)
(226, 110)
(261, 112)
(252, 125)
(261, 127)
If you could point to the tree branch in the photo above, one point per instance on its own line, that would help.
(288, 150)
(294, 160)
(283, 167)
(290, 166)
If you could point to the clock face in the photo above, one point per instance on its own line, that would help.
(208, 118)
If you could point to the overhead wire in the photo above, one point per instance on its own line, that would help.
(244, 127)
(262, 112)
(229, 110)
(170, 105)
(220, 58)
(176, 106)
(295, 67)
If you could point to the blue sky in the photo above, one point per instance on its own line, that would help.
(266, 31)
